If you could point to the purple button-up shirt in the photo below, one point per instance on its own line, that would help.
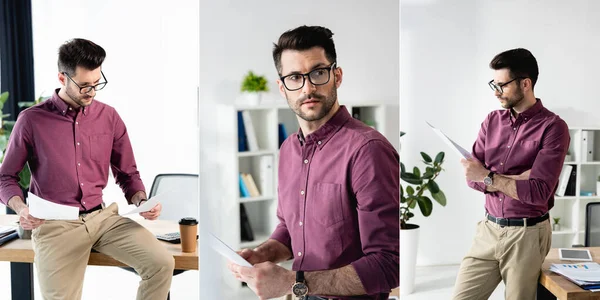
(69, 153)
(538, 140)
(338, 202)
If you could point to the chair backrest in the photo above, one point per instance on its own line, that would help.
(592, 224)
(182, 200)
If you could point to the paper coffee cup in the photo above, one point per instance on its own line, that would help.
(188, 230)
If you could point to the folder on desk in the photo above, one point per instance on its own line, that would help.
(585, 275)
(8, 237)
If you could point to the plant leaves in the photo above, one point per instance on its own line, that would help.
(439, 158)
(439, 197)
(433, 187)
(401, 192)
(410, 215)
(428, 175)
(411, 178)
(402, 169)
(410, 191)
(402, 133)
(426, 157)
(425, 205)
(412, 202)
(417, 172)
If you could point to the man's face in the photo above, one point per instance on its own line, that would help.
(512, 94)
(84, 78)
(311, 102)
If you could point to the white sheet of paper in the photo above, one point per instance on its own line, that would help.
(226, 251)
(46, 210)
(148, 205)
(456, 147)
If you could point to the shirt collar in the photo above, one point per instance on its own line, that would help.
(327, 130)
(527, 114)
(62, 106)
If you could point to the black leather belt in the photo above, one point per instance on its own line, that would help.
(93, 209)
(517, 222)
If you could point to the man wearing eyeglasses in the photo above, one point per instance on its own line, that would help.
(338, 189)
(517, 159)
(69, 142)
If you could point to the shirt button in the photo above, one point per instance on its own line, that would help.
(515, 128)
(76, 123)
(302, 192)
(306, 161)
(82, 183)
(78, 164)
(300, 223)
(502, 164)
(299, 253)
(508, 146)
(77, 143)
(500, 199)
(83, 202)
(319, 142)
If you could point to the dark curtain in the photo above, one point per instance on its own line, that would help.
(16, 54)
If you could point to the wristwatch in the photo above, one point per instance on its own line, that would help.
(489, 179)
(300, 289)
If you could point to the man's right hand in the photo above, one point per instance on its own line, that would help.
(252, 256)
(27, 221)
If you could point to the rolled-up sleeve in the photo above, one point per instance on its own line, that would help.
(18, 151)
(123, 163)
(375, 181)
(478, 153)
(547, 165)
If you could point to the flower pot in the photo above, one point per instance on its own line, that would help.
(409, 241)
(252, 98)
(555, 227)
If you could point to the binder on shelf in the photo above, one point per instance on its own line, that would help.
(246, 229)
(242, 140)
(563, 180)
(572, 185)
(251, 185)
(587, 145)
(250, 132)
(266, 174)
(243, 188)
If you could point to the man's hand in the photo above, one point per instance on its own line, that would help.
(474, 170)
(266, 279)
(27, 221)
(153, 213)
(252, 256)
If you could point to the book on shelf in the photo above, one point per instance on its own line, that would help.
(572, 184)
(266, 174)
(563, 180)
(251, 185)
(242, 140)
(282, 133)
(250, 131)
(246, 229)
(243, 188)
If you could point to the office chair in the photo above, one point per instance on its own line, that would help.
(592, 224)
(183, 192)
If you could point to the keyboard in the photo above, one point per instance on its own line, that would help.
(171, 237)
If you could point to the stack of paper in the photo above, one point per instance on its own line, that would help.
(586, 275)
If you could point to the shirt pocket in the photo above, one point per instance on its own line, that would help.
(525, 153)
(327, 203)
(100, 147)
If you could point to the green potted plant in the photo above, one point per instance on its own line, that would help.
(252, 87)
(419, 185)
(556, 225)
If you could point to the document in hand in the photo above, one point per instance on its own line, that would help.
(226, 251)
(456, 147)
(46, 210)
(148, 205)
(583, 274)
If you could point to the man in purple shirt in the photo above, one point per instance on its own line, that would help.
(516, 162)
(69, 142)
(338, 189)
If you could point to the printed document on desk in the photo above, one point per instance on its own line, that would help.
(46, 210)
(456, 147)
(583, 274)
(226, 251)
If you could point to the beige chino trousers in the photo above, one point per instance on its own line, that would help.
(513, 254)
(62, 249)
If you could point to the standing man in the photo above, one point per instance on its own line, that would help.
(69, 142)
(338, 189)
(516, 162)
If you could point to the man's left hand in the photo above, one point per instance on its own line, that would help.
(474, 170)
(266, 279)
(153, 213)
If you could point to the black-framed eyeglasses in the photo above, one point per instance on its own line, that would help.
(319, 76)
(498, 87)
(87, 89)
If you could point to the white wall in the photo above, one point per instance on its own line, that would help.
(152, 70)
(237, 36)
(445, 51)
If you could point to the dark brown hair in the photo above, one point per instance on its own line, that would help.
(520, 63)
(79, 52)
(304, 38)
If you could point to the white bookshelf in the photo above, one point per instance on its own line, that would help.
(571, 208)
(262, 210)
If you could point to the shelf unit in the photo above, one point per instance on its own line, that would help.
(262, 211)
(571, 208)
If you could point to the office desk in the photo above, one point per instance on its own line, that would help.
(20, 254)
(553, 286)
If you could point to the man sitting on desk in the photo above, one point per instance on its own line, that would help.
(69, 142)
